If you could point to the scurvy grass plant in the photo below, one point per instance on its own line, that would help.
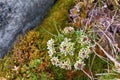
(69, 49)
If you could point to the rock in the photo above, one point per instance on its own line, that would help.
(17, 16)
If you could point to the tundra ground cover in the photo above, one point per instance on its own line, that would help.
(76, 41)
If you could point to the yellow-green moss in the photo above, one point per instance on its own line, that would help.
(31, 46)
(57, 16)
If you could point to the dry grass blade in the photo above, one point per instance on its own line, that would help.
(109, 56)
(91, 78)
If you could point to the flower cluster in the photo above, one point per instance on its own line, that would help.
(55, 61)
(68, 30)
(65, 65)
(50, 47)
(71, 51)
(79, 65)
(84, 53)
(67, 47)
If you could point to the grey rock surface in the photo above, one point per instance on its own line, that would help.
(17, 16)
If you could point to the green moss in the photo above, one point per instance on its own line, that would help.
(57, 16)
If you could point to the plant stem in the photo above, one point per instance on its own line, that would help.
(87, 74)
(109, 56)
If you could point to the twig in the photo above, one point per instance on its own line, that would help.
(90, 66)
(108, 39)
(105, 74)
(116, 46)
(90, 16)
(103, 58)
(92, 61)
(108, 70)
(87, 74)
(116, 2)
(109, 56)
(113, 17)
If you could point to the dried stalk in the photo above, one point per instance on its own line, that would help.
(87, 74)
(116, 2)
(107, 54)
(111, 42)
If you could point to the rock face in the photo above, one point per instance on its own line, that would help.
(17, 16)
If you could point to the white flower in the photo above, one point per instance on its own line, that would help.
(50, 47)
(83, 39)
(68, 30)
(51, 52)
(79, 65)
(84, 53)
(67, 47)
(55, 61)
(50, 44)
(65, 65)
